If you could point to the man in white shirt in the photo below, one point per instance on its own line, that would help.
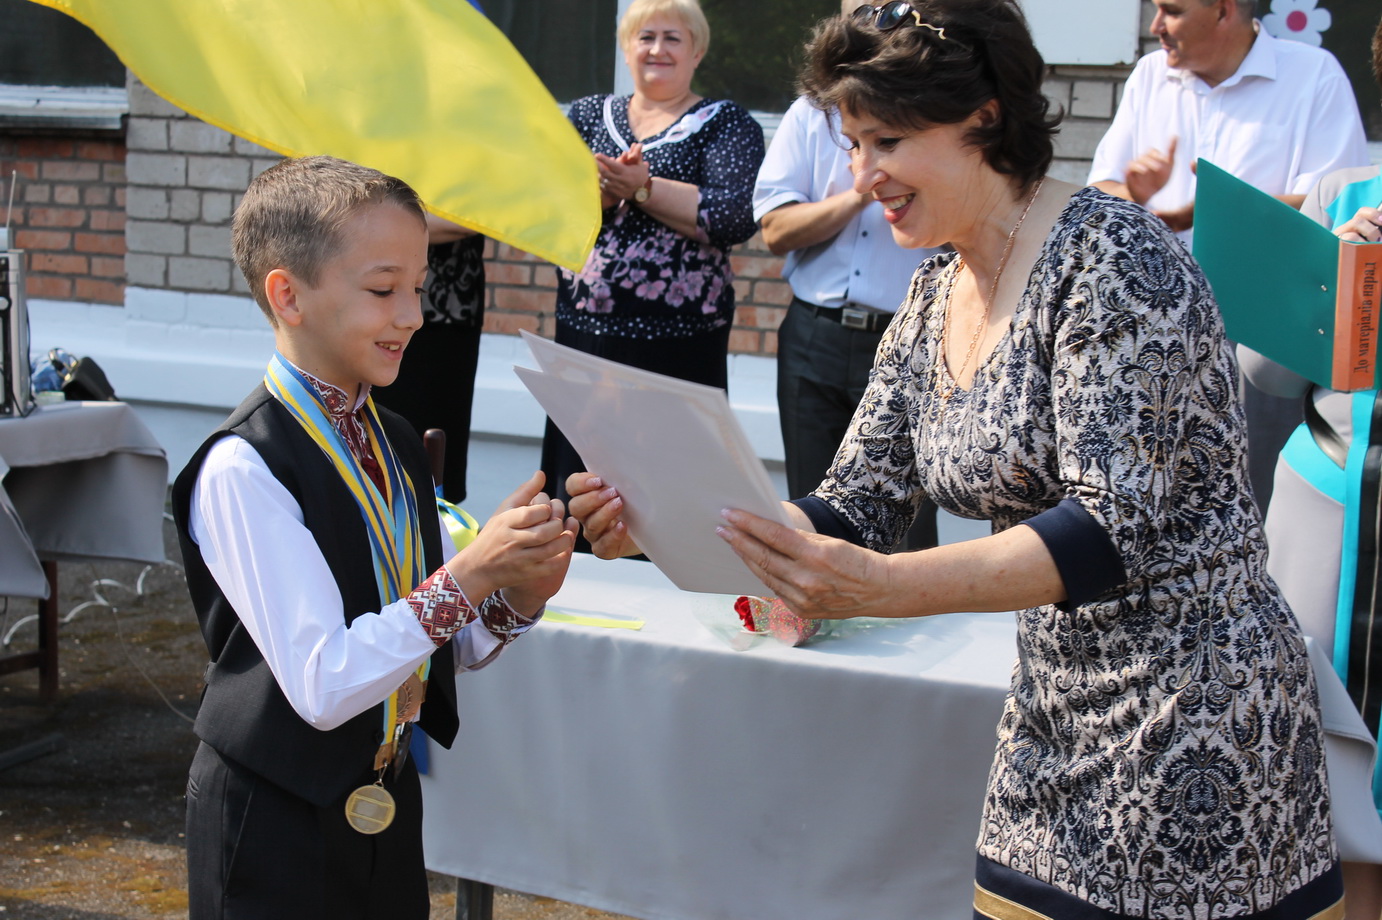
(1276, 114)
(848, 278)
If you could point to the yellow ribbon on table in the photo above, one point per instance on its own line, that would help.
(551, 615)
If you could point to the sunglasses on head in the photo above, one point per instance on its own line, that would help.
(889, 16)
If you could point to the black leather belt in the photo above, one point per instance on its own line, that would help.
(849, 317)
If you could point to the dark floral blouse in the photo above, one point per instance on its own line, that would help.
(644, 280)
(456, 283)
(1160, 753)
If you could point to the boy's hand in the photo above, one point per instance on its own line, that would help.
(600, 510)
(529, 597)
(524, 548)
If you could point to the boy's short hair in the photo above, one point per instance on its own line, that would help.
(292, 215)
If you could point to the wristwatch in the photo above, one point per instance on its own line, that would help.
(641, 193)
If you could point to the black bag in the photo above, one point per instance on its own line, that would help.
(82, 378)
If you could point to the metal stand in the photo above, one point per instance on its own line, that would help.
(474, 900)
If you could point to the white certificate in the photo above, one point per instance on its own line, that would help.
(672, 448)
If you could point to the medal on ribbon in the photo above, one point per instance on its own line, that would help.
(392, 522)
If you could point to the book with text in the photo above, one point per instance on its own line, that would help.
(1288, 288)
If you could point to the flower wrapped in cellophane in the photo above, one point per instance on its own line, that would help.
(768, 615)
(746, 621)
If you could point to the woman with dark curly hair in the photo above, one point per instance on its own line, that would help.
(1064, 374)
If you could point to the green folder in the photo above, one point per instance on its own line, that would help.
(1274, 272)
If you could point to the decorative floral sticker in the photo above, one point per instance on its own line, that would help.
(1298, 20)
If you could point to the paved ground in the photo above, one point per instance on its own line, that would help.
(93, 830)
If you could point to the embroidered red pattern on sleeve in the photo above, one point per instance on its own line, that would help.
(442, 608)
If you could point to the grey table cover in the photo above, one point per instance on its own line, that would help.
(662, 774)
(78, 480)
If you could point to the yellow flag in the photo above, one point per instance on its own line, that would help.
(426, 90)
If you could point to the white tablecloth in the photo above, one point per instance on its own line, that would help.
(80, 480)
(662, 774)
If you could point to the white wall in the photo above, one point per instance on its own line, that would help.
(187, 359)
(1095, 32)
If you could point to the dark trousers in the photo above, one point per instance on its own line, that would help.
(1271, 422)
(257, 852)
(435, 388)
(700, 359)
(822, 373)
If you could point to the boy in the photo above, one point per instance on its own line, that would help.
(308, 533)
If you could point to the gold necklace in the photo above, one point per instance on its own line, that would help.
(959, 266)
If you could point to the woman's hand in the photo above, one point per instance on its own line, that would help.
(599, 510)
(1363, 227)
(816, 576)
(440, 230)
(623, 175)
(671, 202)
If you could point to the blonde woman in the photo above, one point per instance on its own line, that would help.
(676, 181)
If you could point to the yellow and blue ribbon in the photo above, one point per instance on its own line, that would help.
(391, 519)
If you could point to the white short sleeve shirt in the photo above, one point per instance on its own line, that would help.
(1286, 118)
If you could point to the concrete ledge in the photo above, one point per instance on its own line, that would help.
(190, 352)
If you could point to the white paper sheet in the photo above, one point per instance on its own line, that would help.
(673, 449)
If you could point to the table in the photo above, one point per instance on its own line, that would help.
(662, 774)
(78, 481)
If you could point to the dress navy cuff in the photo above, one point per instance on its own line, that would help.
(1084, 553)
(827, 520)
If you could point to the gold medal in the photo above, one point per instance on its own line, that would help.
(370, 809)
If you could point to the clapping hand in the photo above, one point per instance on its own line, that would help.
(621, 176)
(1149, 173)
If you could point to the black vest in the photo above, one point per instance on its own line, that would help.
(244, 715)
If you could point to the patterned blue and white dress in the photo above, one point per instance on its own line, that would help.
(1160, 751)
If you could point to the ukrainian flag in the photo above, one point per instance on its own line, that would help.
(426, 90)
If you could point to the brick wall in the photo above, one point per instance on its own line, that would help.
(69, 212)
(185, 178)
(521, 292)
